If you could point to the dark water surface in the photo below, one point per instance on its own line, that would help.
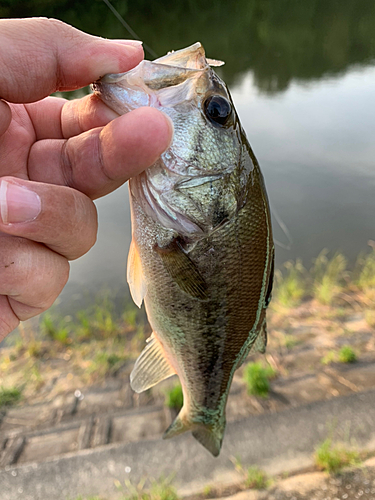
(302, 75)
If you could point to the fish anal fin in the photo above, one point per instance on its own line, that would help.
(135, 276)
(177, 427)
(182, 270)
(151, 367)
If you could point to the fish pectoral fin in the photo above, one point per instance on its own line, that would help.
(151, 367)
(135, 276)
(261, 342)
(182, 270)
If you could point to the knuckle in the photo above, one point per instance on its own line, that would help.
(8, 324)
(31, 273)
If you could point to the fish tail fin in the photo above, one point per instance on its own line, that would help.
(210, 437)
(209, 434)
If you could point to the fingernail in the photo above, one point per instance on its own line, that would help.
(17, 203)
(134, 43)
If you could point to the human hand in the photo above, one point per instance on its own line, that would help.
(57, 156)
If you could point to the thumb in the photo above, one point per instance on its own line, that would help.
(39, 56)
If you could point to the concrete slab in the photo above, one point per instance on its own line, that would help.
(275, 442)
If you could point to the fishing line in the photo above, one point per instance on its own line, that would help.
(127, 27)
(284, 229)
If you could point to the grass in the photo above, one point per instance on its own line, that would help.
(332, 457)
(157, 490)
(366, 264)
(174, 398)
(327, 279)
(10, 396)
(104, 364)
(257, 378)
(328, 276)
(256, 479)
(329, 358)
(290, 285)
(207, 490)
(347, 355)
(54, 328)
(94, 343)
(289, 341)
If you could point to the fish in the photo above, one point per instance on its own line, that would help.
(202, 253)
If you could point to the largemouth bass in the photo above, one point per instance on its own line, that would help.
(202, 251)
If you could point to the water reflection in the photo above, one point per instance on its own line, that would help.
(280, 42)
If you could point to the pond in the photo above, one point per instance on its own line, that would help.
(302, 76)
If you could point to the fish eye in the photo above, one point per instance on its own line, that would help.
(218, 110)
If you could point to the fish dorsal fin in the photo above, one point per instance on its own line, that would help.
(261, 342)
(135, 276)
(182, 270)
(151, 367)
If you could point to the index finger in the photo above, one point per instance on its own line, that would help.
(41, 56)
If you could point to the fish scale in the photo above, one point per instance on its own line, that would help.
(202, 251)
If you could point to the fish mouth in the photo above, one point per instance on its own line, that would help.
(170, 70)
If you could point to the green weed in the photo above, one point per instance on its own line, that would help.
(328, 276)
(158, 490)
(290, 287)
(332, 457)
(34, 349)
(55, 328)
(207, 490)
(257, 379)
(105, 364)
(130, 315)
(256, 479)
(290, 341)
(10, 396)
(329, 358)
(83, 327)
(347, 355)
(366, 277)
(175, 398)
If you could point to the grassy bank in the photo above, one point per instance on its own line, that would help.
(63, 353)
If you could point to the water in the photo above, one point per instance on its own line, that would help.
(302, 76)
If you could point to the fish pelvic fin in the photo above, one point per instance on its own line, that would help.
(151, 367)
(209, 434)
(135, 275)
